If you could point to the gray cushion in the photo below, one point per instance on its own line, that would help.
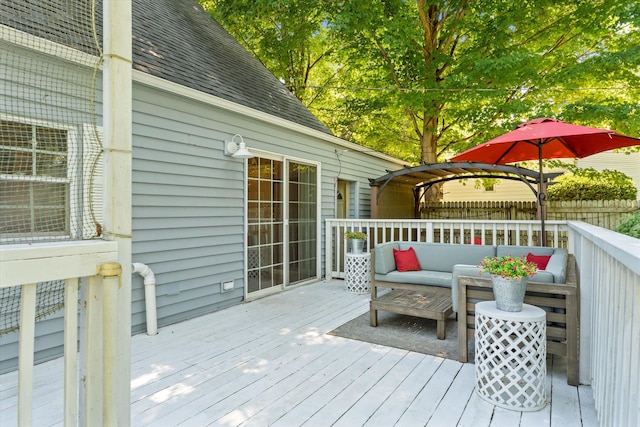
(384, 261)
(520, 251)
(557, 265)
(423, 277)
(443, 256)
(462, 270)
(542, 276)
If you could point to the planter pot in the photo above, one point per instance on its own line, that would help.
(357, 246)
(509, 293)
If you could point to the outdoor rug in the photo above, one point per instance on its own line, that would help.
(405, 332)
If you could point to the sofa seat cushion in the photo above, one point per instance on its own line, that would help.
(542, 276)
(422, 277)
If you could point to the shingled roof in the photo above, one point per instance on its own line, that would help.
(177, 40)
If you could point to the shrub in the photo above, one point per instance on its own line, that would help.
(630, 226)
(590, 184)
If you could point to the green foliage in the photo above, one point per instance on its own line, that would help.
(289, 37)
(356, 235)
(590, 184)
(486, 183)
(630, 226)
(424, 79)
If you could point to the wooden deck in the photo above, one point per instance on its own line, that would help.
(270, 362)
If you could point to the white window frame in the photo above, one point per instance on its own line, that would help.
(71, 180)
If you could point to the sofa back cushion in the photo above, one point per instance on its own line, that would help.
(443, 256)
(558, 265)
(384, 261)
(520, 251)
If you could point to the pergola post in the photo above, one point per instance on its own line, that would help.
(374, 202)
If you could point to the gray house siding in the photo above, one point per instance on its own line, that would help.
(188, 198)
(188, 208)
(188, 213)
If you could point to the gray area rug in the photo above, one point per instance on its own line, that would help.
(405, 332)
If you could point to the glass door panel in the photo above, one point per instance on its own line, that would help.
(267, 235)
(303, 221)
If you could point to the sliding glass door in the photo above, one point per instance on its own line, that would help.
(282, 213)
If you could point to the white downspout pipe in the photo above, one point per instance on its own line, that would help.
(149, 295)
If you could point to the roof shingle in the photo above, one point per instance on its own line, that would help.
(176, 40)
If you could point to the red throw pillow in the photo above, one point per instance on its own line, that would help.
(540, 260)
(406, 260)
(476, 241)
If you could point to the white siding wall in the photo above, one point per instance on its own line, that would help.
(457, 191)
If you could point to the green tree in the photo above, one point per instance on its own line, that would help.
(465, 71)
(420, 79)
(289, 37)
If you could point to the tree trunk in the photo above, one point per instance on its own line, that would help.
(429, 154)
(429, 141)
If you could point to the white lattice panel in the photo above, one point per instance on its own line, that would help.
(510, 356)
(357, 272)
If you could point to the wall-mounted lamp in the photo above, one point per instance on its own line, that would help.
(235, 150)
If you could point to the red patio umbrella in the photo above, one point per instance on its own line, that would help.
(546, 138)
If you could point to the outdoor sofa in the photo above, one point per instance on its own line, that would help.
(441, 264)
(452, 269)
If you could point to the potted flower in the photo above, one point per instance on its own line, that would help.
(356, 240)
(509, 277)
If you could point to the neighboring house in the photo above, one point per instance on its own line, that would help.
(503, 190)
(200, 218)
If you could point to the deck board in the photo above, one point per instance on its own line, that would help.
(271, 362)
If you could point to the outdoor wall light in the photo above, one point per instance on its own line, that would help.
(237, 150)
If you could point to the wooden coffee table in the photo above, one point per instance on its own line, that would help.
(429, 305)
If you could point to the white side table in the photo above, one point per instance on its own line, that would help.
(511, 349)
(357, 272)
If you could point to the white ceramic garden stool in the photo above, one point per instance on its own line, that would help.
(357, 272)
(511, 349)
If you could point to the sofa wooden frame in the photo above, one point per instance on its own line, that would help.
(559, 300)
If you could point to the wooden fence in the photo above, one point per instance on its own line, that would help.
(603, 213)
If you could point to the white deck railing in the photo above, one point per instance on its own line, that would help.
(25, 266)
(609, 266)
(609, 282)
(489, 232)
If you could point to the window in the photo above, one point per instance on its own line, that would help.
(36, 177)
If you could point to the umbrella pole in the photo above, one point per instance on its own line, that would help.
(542, 198)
